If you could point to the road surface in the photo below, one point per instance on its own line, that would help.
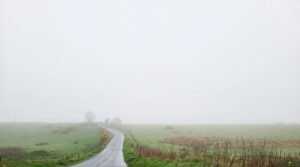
(111, 156)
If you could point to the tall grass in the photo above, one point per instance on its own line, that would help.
(229, 152)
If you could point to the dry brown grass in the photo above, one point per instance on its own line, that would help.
(11, 152)
(219, 142)
(238, 152)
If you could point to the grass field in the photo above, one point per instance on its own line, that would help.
(219, 145)
(33, 144)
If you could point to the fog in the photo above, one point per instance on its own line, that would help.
(150, 61)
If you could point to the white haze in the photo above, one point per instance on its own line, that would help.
(150, 61)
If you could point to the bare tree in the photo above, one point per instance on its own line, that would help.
(90, 117)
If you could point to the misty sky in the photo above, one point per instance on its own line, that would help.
(150, 61)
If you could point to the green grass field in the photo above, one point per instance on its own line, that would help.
(40, 144)
(205, 145)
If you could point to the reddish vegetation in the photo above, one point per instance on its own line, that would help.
(10, 151)
(218, 142)
(106, 136)
(148, 152)
(237, 152)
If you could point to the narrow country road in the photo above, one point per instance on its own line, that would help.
(111, 156)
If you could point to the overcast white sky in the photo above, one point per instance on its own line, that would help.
(150, 61)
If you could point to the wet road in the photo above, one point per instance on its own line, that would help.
(111, 156)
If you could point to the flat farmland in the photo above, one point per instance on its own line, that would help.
(223, 145)
(32, 144)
